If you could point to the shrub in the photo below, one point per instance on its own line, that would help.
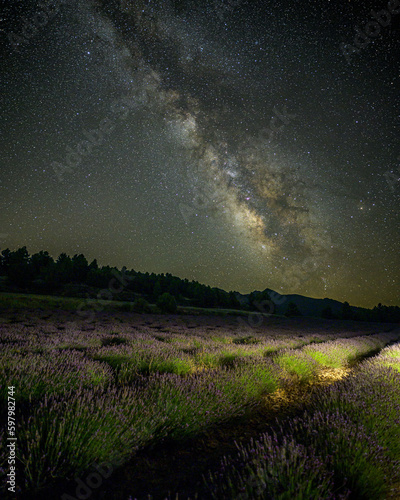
(167, 303)
(141, 305)
(125, 307)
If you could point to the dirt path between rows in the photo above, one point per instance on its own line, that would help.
(172, 467)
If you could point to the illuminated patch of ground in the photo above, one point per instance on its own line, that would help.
(330, 375)
(297, 395)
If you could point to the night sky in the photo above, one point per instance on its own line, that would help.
(241, 144)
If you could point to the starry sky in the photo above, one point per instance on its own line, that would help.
(243, 144)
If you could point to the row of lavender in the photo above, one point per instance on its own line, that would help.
(59, 364)
(96, 405)
(348, 444)
(133, 350)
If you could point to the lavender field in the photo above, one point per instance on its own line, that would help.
(350, 436)
(97, 394)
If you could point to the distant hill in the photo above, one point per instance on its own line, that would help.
(307, 306)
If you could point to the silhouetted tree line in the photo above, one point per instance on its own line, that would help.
(380, 313)
(76, 277)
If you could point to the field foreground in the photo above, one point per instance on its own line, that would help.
(133, 405)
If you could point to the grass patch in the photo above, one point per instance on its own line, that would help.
(296, 364)
(112, 341)
(324, 360)
(249, 340)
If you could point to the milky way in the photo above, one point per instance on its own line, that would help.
(228, 142)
